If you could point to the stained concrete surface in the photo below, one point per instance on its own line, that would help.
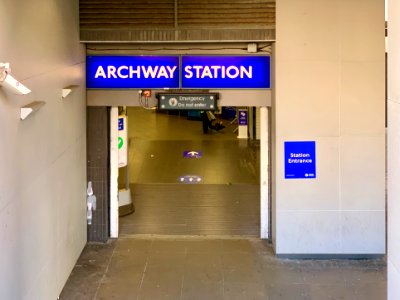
(195, 267)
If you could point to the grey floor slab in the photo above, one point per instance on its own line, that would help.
(193, 267)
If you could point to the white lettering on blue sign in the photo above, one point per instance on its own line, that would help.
(189, 72)
(125, 72)
(300, 158)
(299, 161)
(218, 72)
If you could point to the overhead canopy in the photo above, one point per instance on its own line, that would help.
(177, 20)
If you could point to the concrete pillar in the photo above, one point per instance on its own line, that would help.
(393, 150)
(330, 89)
(114, 224)
(264, 172)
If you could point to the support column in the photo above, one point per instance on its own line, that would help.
(264, 173)
(114, 173)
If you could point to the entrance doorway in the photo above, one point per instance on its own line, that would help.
(215, 193)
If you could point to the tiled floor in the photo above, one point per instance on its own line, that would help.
(178, 267)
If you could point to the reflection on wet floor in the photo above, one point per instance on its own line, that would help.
(154, 161)
(224, 201)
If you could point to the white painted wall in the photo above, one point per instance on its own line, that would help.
(330, 89)
(393, 150)
(43, 158)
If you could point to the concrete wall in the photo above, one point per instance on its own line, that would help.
(330, 89)
(393, 150)
(43, 158)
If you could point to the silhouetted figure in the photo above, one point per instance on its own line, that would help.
(210, 121)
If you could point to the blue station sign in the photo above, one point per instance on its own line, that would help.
(300, 160)
(130, 72)
(224, 72)
(186, 72)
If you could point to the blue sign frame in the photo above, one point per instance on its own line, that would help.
(186, 72)
(300, 160)
(129, 72)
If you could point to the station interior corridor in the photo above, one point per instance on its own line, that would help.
(201, 241)
(224, 202)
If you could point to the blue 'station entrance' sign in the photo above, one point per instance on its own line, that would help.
(300, 160)
(129, 72)
(193, 72)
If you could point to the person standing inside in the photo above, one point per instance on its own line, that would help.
(210, 121)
